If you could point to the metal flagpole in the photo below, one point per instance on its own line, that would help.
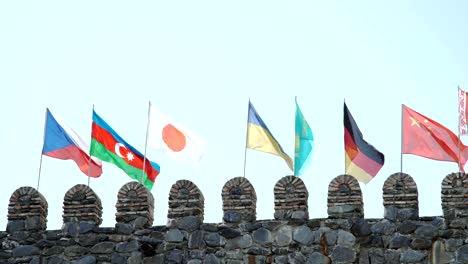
(39, 177)
(295, 138)
(401, 138)
(459, 132)
(246, 137)
(89, 163)
(459, 154)
(348, 114)
(146, 144)
(43, 141)
(344, 144)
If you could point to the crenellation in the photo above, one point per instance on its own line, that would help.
(454, 196)
(185, 199)
(135, 205)
(81, 204)
(345, 198)
(27, 215)
(291, 197)
(345, 236)
(400, 195)
(239, 201)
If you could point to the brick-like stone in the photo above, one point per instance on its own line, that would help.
(118, 258)
(345, 238)
(361, 228)
(26, 250)
(211, 259)
(303, 235)
(427, 231)
(127, 247)
(343, 254)
(399, 241)
(214, 240)
(462, 254)
(174, 235)
(75, 251)
(188, 223)
(283, 236)
(103, 248)
(55, 250)
(196, 240)
(262, 236)
(86, 260)
(229, 233)
(175, 256)
(317, 258)
(412, 256)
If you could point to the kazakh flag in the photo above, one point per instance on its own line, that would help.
(304, 143)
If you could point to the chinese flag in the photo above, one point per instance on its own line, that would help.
(425, 137)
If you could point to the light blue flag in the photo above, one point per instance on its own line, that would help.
(304, 143)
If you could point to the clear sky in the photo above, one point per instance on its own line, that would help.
(200, 62)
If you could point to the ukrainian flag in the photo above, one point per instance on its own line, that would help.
(260, 138)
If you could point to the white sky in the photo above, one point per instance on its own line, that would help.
(200, 61)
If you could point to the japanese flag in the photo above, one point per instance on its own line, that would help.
(167, 136)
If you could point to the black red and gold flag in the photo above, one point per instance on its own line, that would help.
(362, 160)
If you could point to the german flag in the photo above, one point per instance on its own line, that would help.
(362, 160)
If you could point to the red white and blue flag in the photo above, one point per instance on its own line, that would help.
(61, 142)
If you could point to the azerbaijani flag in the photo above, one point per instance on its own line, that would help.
(61, 142)
(260, 138)
(363, 161)
(108, 146)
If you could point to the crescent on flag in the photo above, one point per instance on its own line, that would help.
(117, 149)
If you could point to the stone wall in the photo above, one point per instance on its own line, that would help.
(401, 236)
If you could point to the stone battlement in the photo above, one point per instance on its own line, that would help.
(401, 236)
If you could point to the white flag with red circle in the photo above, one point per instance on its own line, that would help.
(172, 138)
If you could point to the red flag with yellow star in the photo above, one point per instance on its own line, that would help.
(427, 138)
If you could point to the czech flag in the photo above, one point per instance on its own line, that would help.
(61, 142)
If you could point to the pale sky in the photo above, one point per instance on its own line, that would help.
(200, 62)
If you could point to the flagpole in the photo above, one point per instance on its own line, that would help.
(43, 141)
(146, 144)
(401, 138)
(459, 132)
(295, 138)
(459, 154)
(344, 144)
(39, 177)
(89, 163)
(246, 137)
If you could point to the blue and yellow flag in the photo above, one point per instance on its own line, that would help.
(304, 143)
(260, 138)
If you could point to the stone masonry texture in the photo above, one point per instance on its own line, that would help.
(345, 236)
